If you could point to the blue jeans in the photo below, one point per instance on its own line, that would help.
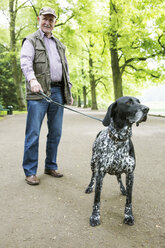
(36, 112)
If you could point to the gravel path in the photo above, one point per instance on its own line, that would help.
(56, 213)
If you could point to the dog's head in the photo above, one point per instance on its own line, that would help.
(126, 110)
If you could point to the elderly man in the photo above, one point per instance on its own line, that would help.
(45, 68)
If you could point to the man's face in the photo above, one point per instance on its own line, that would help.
(46, 23)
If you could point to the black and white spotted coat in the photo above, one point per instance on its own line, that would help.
(112, 155)
(113, 152)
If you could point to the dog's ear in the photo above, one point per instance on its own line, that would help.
(109, 114)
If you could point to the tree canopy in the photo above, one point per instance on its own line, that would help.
(114, 47)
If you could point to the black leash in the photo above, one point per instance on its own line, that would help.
(48, 99)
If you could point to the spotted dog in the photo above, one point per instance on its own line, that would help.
(113, 152)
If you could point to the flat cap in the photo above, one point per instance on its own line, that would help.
(47, 11)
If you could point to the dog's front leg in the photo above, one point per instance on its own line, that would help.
(129, 219)
(95, 217)
(122, 188)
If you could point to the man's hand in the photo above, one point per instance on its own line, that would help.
(35, 86)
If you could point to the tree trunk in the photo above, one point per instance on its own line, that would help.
(85, 96)
(79, 99)
(116, 75)
(92, 81)
(84, 87)
(117, 79)
(15, 69)
(93, 93)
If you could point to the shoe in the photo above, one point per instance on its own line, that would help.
(32, 180)
(53, 173)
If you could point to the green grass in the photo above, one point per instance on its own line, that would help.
(19, 112)
(4, 113)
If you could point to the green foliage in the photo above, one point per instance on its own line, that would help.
(7, 89)
(84, 26)
(137, 40)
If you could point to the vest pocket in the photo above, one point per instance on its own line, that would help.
(40, 56)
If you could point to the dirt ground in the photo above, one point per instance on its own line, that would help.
(55, 214)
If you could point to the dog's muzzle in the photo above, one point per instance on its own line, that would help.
(144, 111)
(139, 116)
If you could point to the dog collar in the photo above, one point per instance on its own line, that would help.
(115, 138)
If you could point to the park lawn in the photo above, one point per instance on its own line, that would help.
(14, 112)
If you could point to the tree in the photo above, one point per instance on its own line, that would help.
(130, 42)
(16, 73)
(90, 42)
(6, 83)
(113, 40)
(108, 47)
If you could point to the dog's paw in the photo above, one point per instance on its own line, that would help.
(88, 190)
(95, 220)
(129, 220)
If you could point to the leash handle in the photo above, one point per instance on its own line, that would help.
(48, 99)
